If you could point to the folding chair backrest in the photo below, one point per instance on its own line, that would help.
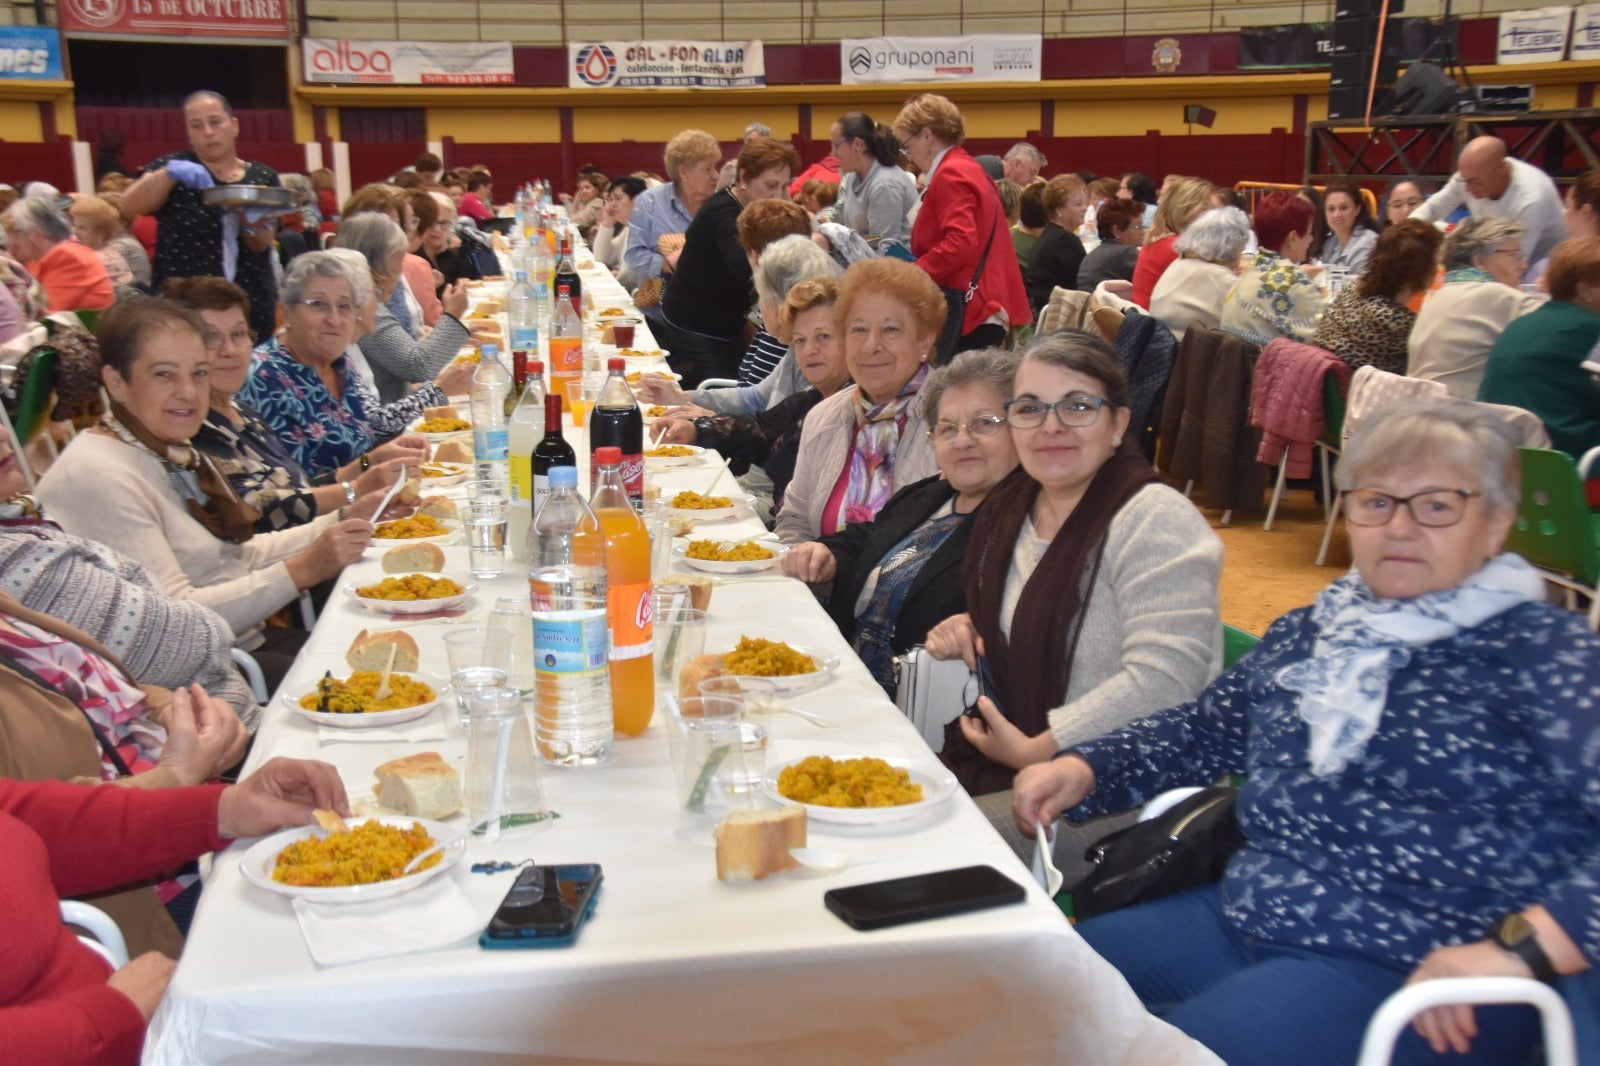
(1554, 529)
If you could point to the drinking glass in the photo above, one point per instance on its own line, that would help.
(480, 658)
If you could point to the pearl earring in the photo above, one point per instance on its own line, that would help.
(1116, 442)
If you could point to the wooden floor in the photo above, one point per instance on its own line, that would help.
(1265, 574)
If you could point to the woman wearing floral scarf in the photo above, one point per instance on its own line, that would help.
(1422, 796)
(866, 442)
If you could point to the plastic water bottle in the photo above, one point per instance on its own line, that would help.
(523, 312)
(633, 693)
(543, 263)
(571, 634)
(490, 442)
(527, 426)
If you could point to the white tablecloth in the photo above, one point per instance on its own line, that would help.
(674, 966)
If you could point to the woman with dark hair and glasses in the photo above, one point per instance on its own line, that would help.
(1421, 750)
(1091, 587)
(898, 575)
(875, 194)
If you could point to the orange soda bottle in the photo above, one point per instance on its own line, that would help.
(628, 604)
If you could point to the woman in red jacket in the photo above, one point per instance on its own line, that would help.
(961, 228)
(58, 1002)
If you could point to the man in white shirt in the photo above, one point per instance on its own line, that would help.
(1491, 185)
(1023, 163)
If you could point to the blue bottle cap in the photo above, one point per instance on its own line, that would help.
(563, 477)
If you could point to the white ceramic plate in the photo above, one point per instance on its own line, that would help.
(443, 603)
(259, 861)
(451, 528)
(938, 784)
(441, 689)
(795, 684)
(458, 474)
(669, 462)
(718, 566)
(741, 505)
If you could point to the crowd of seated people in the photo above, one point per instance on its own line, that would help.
(941, 479)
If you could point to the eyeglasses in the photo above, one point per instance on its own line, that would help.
(834, 146)
(905, 148)
(1436, 508)
(1516, 254)
(1075, 411)
(979, 428)
(323, 308)
(215, 339)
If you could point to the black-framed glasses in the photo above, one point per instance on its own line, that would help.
(979, 428)
(1075, 411)
(1436, 508)
(905, 145)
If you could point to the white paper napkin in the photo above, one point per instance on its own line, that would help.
(428, 731)
(1044, 863)
(436, 915)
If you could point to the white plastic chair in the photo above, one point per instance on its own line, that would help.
(718, 383)
(105, 937)
(1392, 1017)
(252, 674)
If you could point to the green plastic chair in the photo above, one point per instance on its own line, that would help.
(90, 318)
(1235, 644)
(1555, 530)
(34, 402)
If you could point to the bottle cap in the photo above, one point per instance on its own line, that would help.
(490, 351)
(563, 477)
(616, 362)
(608, 456)
(536, 366)
(521, 275)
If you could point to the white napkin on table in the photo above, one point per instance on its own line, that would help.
(434, 916)
(432, 730)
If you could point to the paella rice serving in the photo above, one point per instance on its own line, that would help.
(864, 782)
(758, 657)
(743, 552)
(693, 501)
(418, 525)
(368, 853)
(354, 695)
(411, 587)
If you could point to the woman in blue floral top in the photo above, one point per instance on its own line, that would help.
(302, 383)
(1422, 747)
(1274, 297)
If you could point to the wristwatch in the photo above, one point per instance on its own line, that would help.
(1515, 934)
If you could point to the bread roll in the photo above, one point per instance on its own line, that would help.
(447, 411)
(755, 844)
(700, 586)
(453, 451)
(440, 507)
(410, 491)
(414, 559)
(421, 785)
(700, 668)
(372, 652)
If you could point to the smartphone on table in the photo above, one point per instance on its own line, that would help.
(881, 904)
(545, 907)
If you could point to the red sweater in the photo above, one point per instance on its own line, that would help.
(60, 840)
(960, 213)
(1153, 262)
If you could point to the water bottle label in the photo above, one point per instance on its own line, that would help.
(491, 445)
(631, 616)
(525, 337)
(570, 642)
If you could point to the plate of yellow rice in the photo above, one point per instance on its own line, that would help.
(792, 668)
(351, 706)
(363, 864)
(859, 789)
(745, 557)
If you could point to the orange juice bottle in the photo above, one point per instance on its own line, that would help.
(566, 349)
(628, 605)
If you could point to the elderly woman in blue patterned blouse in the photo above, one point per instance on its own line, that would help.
(1422, 747)
(304, 385)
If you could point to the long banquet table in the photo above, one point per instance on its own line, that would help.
(674, 966)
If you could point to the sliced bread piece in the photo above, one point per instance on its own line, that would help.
(755, 844)
(414, 559)
(421, 785)
(371, 652)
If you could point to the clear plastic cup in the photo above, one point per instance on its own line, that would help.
(480, 658)
(503, 790)
(707, 759)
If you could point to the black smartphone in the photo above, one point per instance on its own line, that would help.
(881, 904)
(545, 907)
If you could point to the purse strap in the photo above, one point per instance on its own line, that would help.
(972, 287)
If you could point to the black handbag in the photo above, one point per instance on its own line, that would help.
(1184, 847)
(956, 301)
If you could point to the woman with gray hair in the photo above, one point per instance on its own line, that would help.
(1193, 288)
(898, 576)
(397, 360)
(1421, 797)
(782, 265)
(72, 275)
(1482, 294)
(303, 386)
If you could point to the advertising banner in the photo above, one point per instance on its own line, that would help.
(406, 62)
(1535, 36)
(666, 65)
(176, 18)
(1586, 32)
(31, 52)
(1310, 44)
(977, 57)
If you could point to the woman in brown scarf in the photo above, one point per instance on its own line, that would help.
(135, 484)
(1091, 586)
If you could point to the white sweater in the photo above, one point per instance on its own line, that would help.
(1455, 329)
(1190, 293)
(1152, 636)
(119, 495)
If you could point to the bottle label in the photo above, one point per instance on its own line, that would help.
(569, 643)
(633, 478)
(631, 614)
(525, 337)
(492, 445)
(566, 356)
(541, 492)
(521, 476)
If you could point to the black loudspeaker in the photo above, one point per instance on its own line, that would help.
(1426, 90)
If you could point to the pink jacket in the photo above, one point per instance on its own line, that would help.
(1286, 401)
